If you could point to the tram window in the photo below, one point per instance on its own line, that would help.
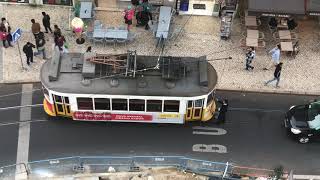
(66, 100)
(68, 109)
(171, 106)
(154, 105)
(85, 103)
(198, 103)
(120, 104)
(189, 104)
(136, 105)
(102, 103)
(58, 98)
(210, 97)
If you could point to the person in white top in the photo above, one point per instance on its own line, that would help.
(275, 55)
(250, 55)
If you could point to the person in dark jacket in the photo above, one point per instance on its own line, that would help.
(273, 23)
(291, 23)
(56, 32)
(60, 42)
(46, 22)
(223, 111)
(27, 49)
(276, 74)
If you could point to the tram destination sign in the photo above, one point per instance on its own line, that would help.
(93, 116)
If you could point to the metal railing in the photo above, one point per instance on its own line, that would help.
(101, 164)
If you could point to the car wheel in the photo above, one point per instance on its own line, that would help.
(303, 140)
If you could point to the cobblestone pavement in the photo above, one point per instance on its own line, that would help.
(200, 36)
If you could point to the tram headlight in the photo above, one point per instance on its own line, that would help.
(295, 131)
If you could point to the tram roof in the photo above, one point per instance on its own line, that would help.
(146, 83)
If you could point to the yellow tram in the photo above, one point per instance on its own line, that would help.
(129, 87)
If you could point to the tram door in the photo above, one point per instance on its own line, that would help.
(194, 109)
(62, 105)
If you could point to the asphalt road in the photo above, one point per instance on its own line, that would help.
(255, 136)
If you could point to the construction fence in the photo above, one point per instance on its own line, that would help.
(103, 164)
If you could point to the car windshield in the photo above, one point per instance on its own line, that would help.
(314, 115)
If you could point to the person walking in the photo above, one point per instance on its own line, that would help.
(27, 49)
(223, 111)
(276, 74)
(46, 22)
(250, 55)
(128, 16)
(56, 32)
(275, 56)
(5, 32)
(60, 42)
(40, 44)
(35, 28)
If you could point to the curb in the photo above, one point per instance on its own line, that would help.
(270, 91)
(284, 92)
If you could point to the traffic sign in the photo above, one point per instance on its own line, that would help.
(16, 35)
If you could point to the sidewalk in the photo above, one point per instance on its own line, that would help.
(200, 37)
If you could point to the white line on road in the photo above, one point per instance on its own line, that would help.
(214, 131)
(17, 107)
(217, 148)
(24, 130)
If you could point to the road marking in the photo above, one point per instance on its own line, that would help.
(209, 148)
(24, 130)
(216, 131)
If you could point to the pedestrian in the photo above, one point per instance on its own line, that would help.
(40, 44)
(273, 23)
(88, 49)
(5, 32)
(128, 16)
(35, 28)
(250, 55)
(275, 56)
(60, 42)
(276, 74)
(46, 22)
(27, 49)
(291, 23)
(223, 111)
(56, 32)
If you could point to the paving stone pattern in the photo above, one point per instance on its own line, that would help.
(200, 36)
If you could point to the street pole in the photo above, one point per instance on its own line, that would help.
(23, 68)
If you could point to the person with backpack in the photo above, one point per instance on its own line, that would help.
(28, 51)
(128, 16)
(40, 44)
(46, 22)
